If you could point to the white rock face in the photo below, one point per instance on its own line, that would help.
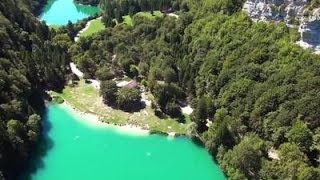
(293, 13)
(277, 10)
(310, 35)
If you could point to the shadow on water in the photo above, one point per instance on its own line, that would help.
(87, 9)
(200, 144)
(48, 6)
(45, 144)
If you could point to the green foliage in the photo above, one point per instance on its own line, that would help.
(15, 128)
(62, 40)
(244, 77)
(170, 75)
(293, 164)
(301, 135)
(117, 9)
(167, 96)
(200, 114)
(57, 99)
(293, 161)
(105, 73)
(34, 126)
(173, 109)
(32, 59)
(108, 90)
(128, 99)
(244, 160)
(95, 26)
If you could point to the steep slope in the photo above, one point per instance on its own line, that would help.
(303, 14)
(29, 63)
(255, 93)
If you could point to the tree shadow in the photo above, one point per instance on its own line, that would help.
(181, 119)
(45, 144)
(198, 142)
(162, 115)
(132, 108)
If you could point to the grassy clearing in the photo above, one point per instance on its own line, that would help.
(95, 26)
(85, 98)
(128, 20)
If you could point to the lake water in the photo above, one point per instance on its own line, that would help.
(59, 12)
(82, 151)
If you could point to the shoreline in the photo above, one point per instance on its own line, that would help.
(95, 121)
(101, 115)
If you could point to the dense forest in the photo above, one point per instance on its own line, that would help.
(258, 88)
(114, 10)
(29, 63)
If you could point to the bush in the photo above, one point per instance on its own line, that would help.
(108, 90)
(128, 99)
(57, 100)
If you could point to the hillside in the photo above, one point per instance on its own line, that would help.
(254, 91)
(303, 14)
(248, 81)
(29, 63)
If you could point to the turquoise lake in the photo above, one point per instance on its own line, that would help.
(82, 151)
(60, 12)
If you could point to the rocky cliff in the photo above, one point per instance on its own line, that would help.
(301, 14)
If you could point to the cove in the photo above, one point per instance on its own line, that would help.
(80, 150)
(60, 12)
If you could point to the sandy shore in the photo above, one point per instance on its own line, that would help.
(94, 121)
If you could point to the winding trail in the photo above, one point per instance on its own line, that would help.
(173, 15)
(75, 70)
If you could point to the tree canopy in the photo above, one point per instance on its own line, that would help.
(244, 77)
(29, 64)
(252, 88)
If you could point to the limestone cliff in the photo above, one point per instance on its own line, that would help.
(302, 14)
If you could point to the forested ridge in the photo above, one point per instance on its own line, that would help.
(29, 63)
(257, 89)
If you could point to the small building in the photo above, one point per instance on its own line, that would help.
(132, 84)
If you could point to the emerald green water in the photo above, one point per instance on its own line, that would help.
(60, 12)
(83, 151)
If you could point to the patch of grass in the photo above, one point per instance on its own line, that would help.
(187, 118)
(87, 99)
(158, 14)
(95, 26)
(127, 20)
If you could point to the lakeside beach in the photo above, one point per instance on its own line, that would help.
(85, 98)
(94, 120)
